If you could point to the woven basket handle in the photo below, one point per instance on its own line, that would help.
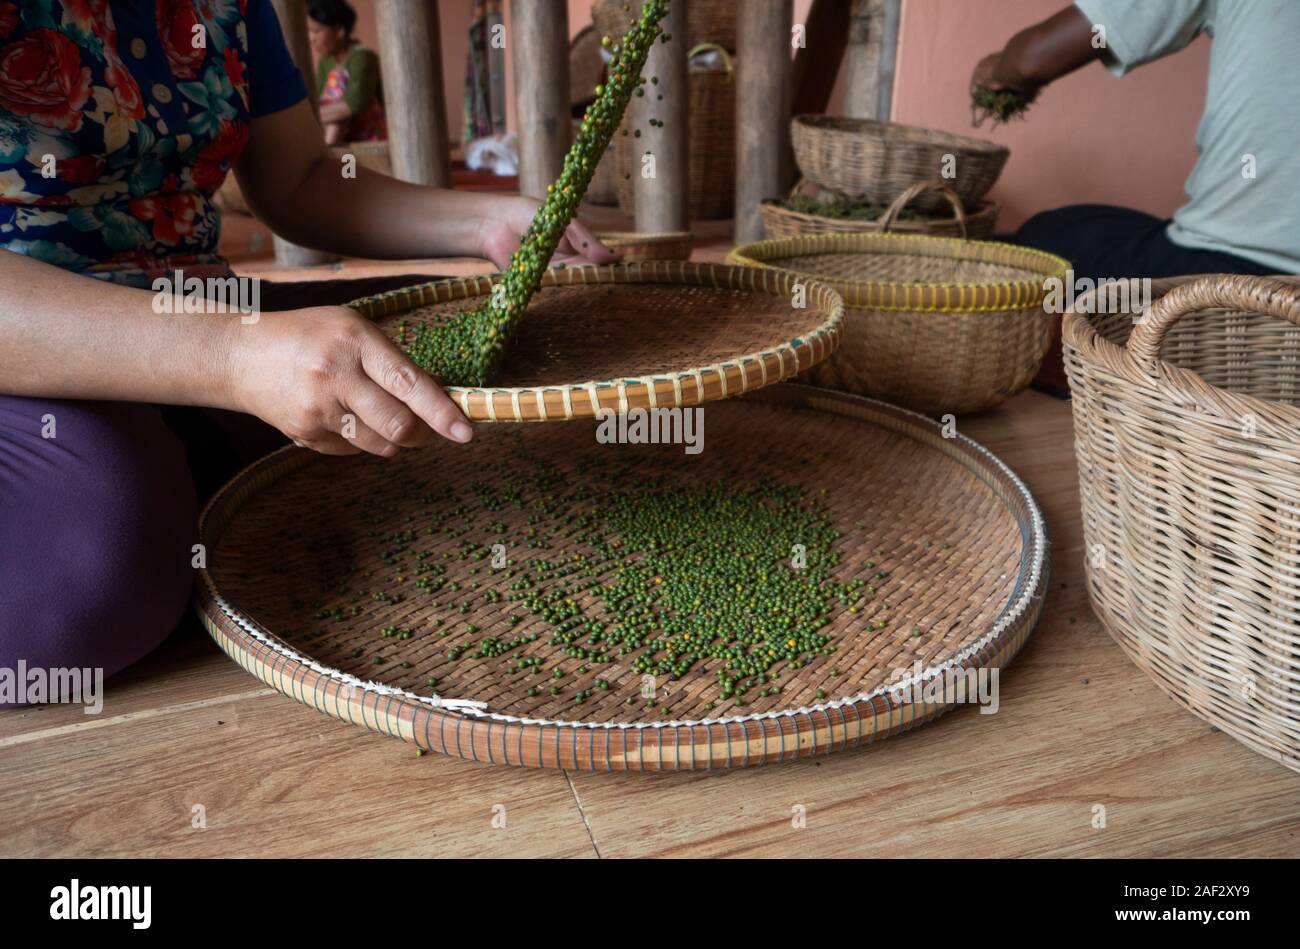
(1251, 294)
(726, 57)
(892, 212)
(797, 186)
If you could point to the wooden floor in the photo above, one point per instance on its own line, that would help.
(188, 738)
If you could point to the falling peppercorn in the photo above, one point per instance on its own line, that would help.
(465, 349)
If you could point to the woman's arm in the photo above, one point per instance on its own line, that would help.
(66, 336)
(294, 184)
(331, 112)
(1040, 54)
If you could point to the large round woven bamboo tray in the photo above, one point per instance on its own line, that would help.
(652, 334)
(958, 535)
(877, 160)
(936, 324)
(1187, 432)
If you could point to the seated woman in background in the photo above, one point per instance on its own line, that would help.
(116, 130)
(347, 75)
(1243, 215)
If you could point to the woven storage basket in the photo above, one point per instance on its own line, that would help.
(1187, 431)
(707, 21)
(937, 324)
(877, 160)
(711, 162)
(655, 334)
(299, 543)
(780, 221)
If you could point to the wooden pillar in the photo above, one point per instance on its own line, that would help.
(661, 200)
(293, 23)
(762, 109)
(539, 43)
(869, 64)
(410, 56)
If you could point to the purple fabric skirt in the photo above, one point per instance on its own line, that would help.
(98, 522)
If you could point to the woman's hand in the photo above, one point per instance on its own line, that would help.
(499, 237)
(1040, 54)
(994, 73)
(332, 381)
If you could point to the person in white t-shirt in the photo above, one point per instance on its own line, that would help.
(1243, 212)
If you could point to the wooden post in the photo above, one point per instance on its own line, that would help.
(539, 42)
(662, 200)
(293, 23)
(869, 66)
(762, 109)
(410, 56)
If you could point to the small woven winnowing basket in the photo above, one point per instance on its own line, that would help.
(641, 335)
(1187, 430)
(877, 160)
(935, 324)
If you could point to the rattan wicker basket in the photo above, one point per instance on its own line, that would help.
(780, 221)
(711, 158)
(707, 21)
(937, 324)
(877, 160)
(1187, 431)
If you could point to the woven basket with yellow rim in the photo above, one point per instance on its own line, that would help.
(937, 324)
(781, 221)
(654, 334)
(299, 546)
(1187, 431)
(711, 160)
(877, 160)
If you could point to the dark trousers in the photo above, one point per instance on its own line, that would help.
(97, 523)
(1104, 242)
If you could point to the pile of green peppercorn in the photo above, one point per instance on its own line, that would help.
(466, 349)
(740, 580)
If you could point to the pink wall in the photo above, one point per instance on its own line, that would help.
(1090, 138)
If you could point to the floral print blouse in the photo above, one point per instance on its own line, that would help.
(119, 120)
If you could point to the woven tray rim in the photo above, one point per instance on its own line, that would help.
(877, 130)
(1014, 621)
(479, 403)
(1095, 351)
(997, 295)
